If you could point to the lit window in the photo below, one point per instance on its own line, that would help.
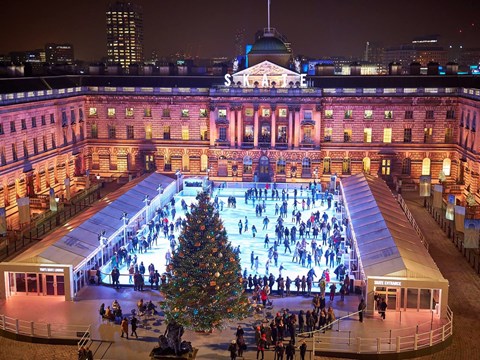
(166, 132)
(427, 135)
(328, 114)
(447, 163)
(367, 135)
(92, 111)
(185, 133)
(148, 132)
(203, 132)
(388, 114)
(222, 113)
(346, 168)
(166, 113)
(282, 112)
(347, 135)
(449, 135)
(265, 112)
(387, 135)
(248, 112)
(111, 112)
(129, 112)
(326, 165)
(386, 166)
(328, 134)
(366, 165)
(203, 113)
(348, 114)
(426, 166)
(147, 112)
(368, 114)
(185, 113)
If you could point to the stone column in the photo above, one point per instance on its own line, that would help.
(273, 126)
(213, 126)
(317, 116)
(239, 127)
(296, 138)
(231, 127)
(290, 126)
(256, 129)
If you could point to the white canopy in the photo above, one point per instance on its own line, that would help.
(79, 238)
(387, 243)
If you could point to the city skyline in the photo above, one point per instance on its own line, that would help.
(207, 28)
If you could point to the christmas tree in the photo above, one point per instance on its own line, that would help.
(204, 288)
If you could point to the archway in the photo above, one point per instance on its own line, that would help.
(264, 169)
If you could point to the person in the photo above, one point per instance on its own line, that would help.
(279, 350)
(261, 346)
(361, 309)
(303, 350)
(82, 353)
(109, 314)
(383, 308)
(134, 323)
(233, 350)
(88, 353)
(124, 327)
(102, 310)
(333, 289)
(241, 345)
(290, 351)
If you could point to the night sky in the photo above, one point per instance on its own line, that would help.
(207, 28)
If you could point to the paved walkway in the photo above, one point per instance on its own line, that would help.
(464, 295)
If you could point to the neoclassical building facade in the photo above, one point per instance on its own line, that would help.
(265, 123)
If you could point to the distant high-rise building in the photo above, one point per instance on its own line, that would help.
(124, 33)
(240, 42)
(59, 53)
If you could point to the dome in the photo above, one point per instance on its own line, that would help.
(269, 45)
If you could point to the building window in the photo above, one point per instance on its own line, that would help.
(111, 112)
(25, 149)
(367, 135)
(34, 122)
(147, 112)
(185, 113)
(166, 132)
(73, 118)
(203, 162)
(24, 124)
(407, 135)
(347, 135)
(450, 114)
(281, 166)
(148, 132)
(92, 111)
(43, 120)
(185, 162)
(327, 137)
(65, 141)
(247, 165)
(166, 113)
(307, 136)
(368, 114)
(3, 158)
(446, 166)
(1, 129)
(248, 112)
(203, 113)
(12, 126)
(366, 165)
(388, 114)
(408, 114)
(429, 115)
(222, 134)
(54, 141)
(222, 113)
(129, 112)
(386, 167)
(130, 132)
(329, 114)
(185, 133)
(282, 112)
(449, 135)
(282, 134)
(52, 118)
(346, 166)
(306, 165)
(387, 135)
(64, 119)
(406, 166)
(308, 115)
(474, 122)
(203, 132)
(427, 135)
(167, 165)
(248, 137)
(80, 114)
(45, 146)
(266, 112)
(94, 131)
(426, 166)
(112, 132)
(14, 152)
(327, 165)
(348, 114)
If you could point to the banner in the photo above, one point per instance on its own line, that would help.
(459, 218)
(3, 222)
(437, 196)
(24, 210)
(471, 233)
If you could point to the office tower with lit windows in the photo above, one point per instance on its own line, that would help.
(124, 33)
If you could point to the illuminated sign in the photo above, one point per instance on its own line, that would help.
(266, 80)
(387, 283)
(51, 270)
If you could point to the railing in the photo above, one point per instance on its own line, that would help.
(410, 218)
(43, 330)
(408, 339)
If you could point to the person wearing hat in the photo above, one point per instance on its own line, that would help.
(303, 350)
(233, 350)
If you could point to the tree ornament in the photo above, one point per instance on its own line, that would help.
(213, 283)
(220, 255)
(217, 274)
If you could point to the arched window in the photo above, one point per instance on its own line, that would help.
(346, 168)
(474, 122)
(306, 164)
(366, 165)
(327, 165)
(167, 162)
(406, 166)
(281, 166)
(446, 167)
(467, 124)
(203, 162)
(185, 162)
(247, 165)
(426, 166)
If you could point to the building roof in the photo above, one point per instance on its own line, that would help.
(268, 44)
(387, 243)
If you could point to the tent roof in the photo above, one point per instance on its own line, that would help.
(387, 242)
(78, 238)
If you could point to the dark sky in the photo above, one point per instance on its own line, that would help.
(207, 28)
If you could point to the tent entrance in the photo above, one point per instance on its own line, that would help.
(392, 297)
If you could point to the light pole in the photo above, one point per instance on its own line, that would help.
(102, 243)
(146, 200)
(125, 223)
(178, 174)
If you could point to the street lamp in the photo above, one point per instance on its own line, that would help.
(125, 223)
(57, 199)
(102, 240)
(146, 200)
(98, 177)
(315, 173)
(425, 188)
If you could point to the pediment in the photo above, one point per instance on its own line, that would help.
(266, 67)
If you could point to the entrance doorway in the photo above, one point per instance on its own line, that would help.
(264, 169)
(391, 296)
(36, 284)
